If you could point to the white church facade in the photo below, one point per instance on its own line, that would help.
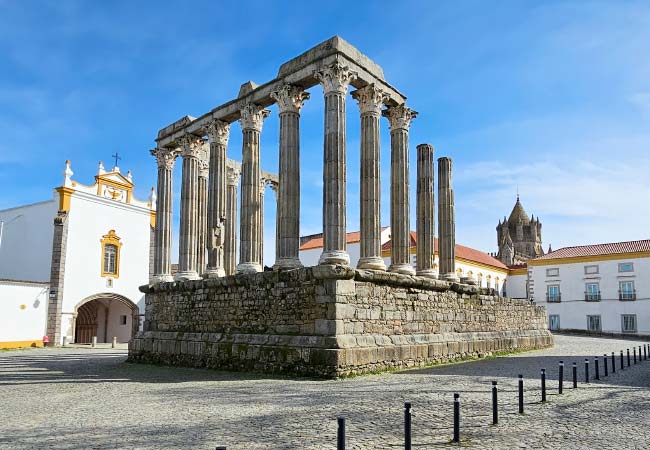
(70, 267)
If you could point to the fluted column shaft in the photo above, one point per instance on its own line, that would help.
(163, 228)
(446, 222)
(290, 101)
(203, 219)
(251, 120)
(335, 80)
(188, 239)
(218, 133)
(230, 231)
(425, 211)
(260, 226)
(400, 120)
(370, 100)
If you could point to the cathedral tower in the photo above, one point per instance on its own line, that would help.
(519, 237)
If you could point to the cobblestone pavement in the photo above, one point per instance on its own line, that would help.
(91, 399)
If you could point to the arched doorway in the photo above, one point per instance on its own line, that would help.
(106, 316)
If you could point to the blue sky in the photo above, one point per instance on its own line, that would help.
(553, 97)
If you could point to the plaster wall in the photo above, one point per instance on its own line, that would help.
(23, 313)
(26, 247)
(573, 309)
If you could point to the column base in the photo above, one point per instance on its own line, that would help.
(187, 276)
(404, 269)
(249, 267)
(451, 276)
(287, 264)
(372, 263)
(162, 278)
(214, 272)
(333, 257)
(428, 273)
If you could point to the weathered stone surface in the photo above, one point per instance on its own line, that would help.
(330, 321)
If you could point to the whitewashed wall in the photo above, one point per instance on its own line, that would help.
(90, 218)
(573, 309)
(26, 247)
(21, 325)
(516, 287)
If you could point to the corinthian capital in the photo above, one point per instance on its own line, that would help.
(204, 161)
(218, 132)
(165, 157)
(290, 98)
(191, 145)
(370, 99)
(252, 117)
(232, 175)
(335, 78)
(399, 117)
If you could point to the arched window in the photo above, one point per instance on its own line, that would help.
(111, 255)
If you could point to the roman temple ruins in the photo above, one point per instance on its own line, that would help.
(332, 319)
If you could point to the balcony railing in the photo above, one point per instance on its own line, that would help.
(627, 295)
(553, 298)
(592, 296)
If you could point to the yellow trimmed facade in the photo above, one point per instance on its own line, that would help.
(591, 258)
(20, 344)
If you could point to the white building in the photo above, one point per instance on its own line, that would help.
(484, 269)
(71, 266)
(599, 288)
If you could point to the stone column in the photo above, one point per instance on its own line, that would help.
(287, 230)
(202, 211)
(251, 120)
(260, 226)
(425, 210)
(230, 231)
(163, 229)
(446, 222)
(188, 238)
(400, 118)
(335, 80)
(218, 133)
(370, 100)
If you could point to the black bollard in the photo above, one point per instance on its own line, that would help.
(495, 410)
(340, 435)
(543, 374)
(521, 394)
(456, 418)
(560, 385)
(605, 363)
(628, 357)
(596, 367)
(634, 350)
(407, 426)
(640, 359)
(645, 352)
(613, 363)
(586, 370)
(622, 365)
(575, 376)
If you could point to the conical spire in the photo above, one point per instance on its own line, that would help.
(518, 214)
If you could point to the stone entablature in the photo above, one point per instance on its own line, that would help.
(330, 321)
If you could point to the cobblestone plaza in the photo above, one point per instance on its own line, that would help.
(97, 401)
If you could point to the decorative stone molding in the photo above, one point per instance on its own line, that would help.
(191, 146)
(218, 132)
(370, 99)
(232, 175)
(252, 117)
(335, 78)
(290, 98)
(204, 168)
(399, 117)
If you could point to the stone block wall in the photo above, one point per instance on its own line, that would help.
(330, 321)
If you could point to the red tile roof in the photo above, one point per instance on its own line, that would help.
(599, 249)
(461, 251)
(317, 240)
